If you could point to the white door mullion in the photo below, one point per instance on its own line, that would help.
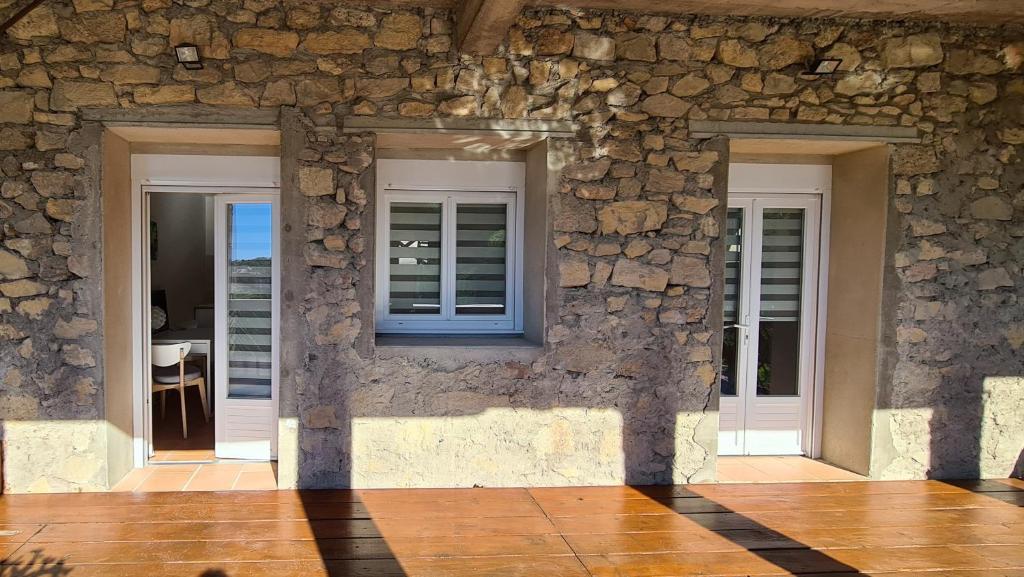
(748, 395)
(743, 317)
(513, 266)
(448, 236)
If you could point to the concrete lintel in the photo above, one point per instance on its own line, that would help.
(797, 131)
(192, 116)
(545, 128)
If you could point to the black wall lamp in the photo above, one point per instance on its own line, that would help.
(188, 56)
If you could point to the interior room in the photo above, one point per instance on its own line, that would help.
(182, 300)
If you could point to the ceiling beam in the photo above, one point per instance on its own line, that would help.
(15, 11)
(481, 25)
(959, 11)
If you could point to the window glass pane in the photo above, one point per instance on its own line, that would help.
(733, 271)
(250, 300)
(480, 268)
(778, 364)
(415, 266)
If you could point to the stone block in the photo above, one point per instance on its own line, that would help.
(629, 273)
(632, 216)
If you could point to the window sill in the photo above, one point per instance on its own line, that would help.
(458, 349)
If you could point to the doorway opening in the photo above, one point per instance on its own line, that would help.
(209, 286)
(771, 322)
(805, 258)
(181, 288)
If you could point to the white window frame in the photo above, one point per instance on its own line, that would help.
(450, 183)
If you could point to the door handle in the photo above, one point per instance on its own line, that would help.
(737, 326)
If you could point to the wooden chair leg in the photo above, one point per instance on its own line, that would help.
(184, 416)
(163, 404)
(202, 397)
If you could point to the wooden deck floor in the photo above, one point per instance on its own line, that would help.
(915, 529)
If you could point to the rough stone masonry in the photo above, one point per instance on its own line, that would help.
(625, 388)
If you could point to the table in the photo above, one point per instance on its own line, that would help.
(202, 345)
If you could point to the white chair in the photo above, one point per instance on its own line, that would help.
(171, 373)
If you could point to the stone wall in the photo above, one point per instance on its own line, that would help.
(624, 389)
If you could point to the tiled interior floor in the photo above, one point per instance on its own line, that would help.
(200, 477)
(168, 443)
(780, 470)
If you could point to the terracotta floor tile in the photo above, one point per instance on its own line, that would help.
(176, 467)
(779, 470)
(214, 477)
(263, 480)
(166, 481)
(132, 480)
(187, 455)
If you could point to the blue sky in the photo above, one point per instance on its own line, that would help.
(250, 231)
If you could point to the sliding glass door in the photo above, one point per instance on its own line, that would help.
(246, 288)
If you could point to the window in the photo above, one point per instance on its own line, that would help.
(448, 249)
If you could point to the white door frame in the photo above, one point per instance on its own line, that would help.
(180, 172)
(776, 182)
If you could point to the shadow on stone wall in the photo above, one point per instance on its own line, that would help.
(658, 375)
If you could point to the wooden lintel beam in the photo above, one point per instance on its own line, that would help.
(15, 11)
(481, 25)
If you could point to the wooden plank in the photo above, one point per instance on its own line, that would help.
(760, 539)
(797, 561)
(480, 546)
(576, 507)
(977, 11)
(481, 25)
(207, 531)
(17, 533)
(783, 521)
(466, 527)
(350, 568)
(719, 491)
(14, 11)
(547, 566)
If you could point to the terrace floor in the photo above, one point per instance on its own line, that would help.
(915, 529)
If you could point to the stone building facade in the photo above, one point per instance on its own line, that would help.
(624, 388)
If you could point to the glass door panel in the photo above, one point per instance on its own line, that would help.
(731, 316)
(778, 367)
(245, 321)
(250, 300)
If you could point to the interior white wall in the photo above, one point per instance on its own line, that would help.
(184, 265)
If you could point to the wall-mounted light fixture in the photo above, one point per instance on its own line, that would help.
(188, 56)
(824, 66)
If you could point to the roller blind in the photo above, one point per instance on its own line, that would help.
(480, 268)
(781, 263)
(415, 261)
(733, 263)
